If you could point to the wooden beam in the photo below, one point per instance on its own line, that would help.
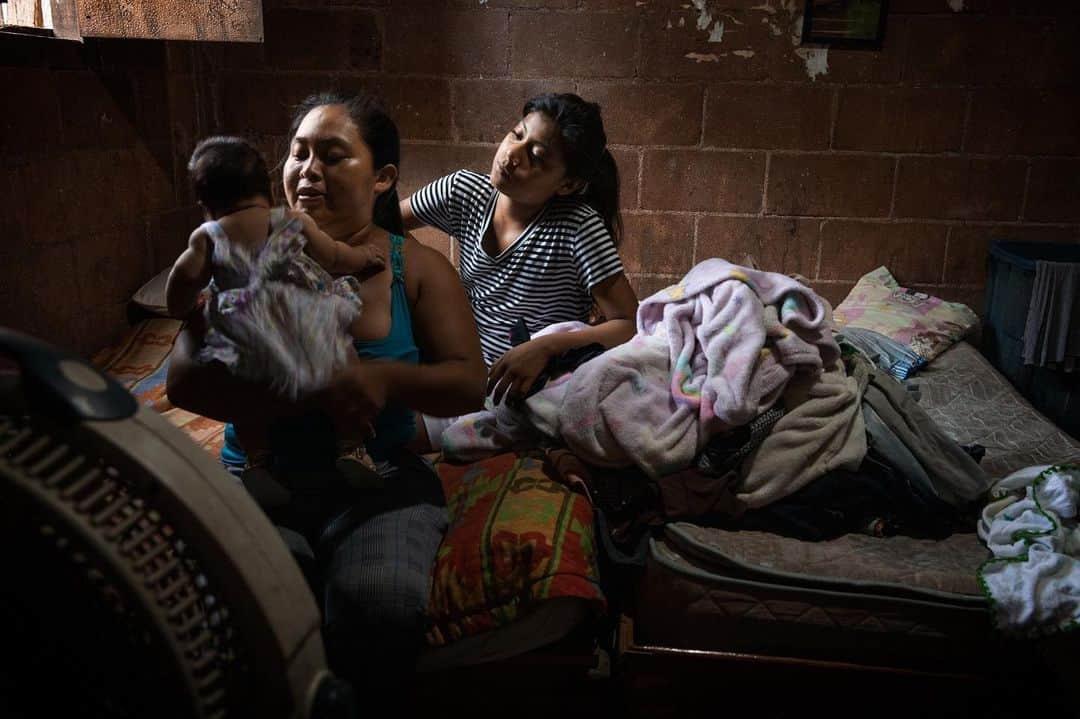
(218, 20)
(65, 18)
(25, 13)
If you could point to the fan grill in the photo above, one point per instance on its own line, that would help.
(108, 530)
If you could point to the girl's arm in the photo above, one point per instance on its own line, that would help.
(190, 274)
(434, 200)
(211, 390)
(408, 217)
(516, 370)
(339, 258)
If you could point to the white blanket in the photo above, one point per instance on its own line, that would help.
(1033, 580)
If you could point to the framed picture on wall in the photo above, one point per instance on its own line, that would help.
(845, 23)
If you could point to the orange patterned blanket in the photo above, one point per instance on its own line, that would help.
(140, 362)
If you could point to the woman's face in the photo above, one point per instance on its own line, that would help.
(529, 166)
(330, 174)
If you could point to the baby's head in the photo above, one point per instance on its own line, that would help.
(225, 171)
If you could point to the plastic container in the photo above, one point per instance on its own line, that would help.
(1011, 275)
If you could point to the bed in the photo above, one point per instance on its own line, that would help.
(897, 604)
(881, 604)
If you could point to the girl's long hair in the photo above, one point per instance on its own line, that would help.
(586, 153)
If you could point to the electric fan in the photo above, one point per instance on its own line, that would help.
(139, 579)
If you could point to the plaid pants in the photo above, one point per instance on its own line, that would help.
(371, 554)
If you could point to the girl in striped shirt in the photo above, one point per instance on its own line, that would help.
(537, 240)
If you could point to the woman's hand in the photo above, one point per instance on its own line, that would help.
(517, 370)
(355, 397)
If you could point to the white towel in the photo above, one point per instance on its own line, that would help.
(1033, 579)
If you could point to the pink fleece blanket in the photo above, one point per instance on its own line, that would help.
(712, 352)
(735, 336)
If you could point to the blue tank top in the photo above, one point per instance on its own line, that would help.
(396, 424)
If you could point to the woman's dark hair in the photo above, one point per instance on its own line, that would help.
(224, 170)
(586, 153)
(380, 134)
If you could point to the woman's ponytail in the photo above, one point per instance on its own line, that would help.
(387, 212)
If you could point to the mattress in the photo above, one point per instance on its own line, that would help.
(895, 602)
(974, 403)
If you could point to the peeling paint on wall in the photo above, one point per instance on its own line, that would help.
(704, 19)
(796, 31)
(783, 17)
(717, 34)
(816, 60)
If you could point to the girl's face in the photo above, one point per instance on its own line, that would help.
(529, 166)
(330, 173)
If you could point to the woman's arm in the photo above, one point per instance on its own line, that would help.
(408, 217)
(211, 390)
(516, 370)
(189, 275)
(450, 381)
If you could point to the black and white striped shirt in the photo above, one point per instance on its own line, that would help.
(544, 277)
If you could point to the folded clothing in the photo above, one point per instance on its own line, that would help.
(898, 360)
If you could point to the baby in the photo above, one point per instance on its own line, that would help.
(275, 313)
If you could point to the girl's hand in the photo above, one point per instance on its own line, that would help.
(516, 370)
(355, 397)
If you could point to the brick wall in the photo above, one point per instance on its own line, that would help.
(965, 127)
(87, 183)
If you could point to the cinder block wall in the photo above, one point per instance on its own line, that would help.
(87, 182)
(731, 138)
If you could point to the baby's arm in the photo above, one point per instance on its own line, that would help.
(339, 258)
(190, 274)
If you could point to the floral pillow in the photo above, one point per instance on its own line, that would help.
(928, 325)
(517, 537)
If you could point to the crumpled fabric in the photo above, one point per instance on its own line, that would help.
(1033, 580)
(711, 353)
